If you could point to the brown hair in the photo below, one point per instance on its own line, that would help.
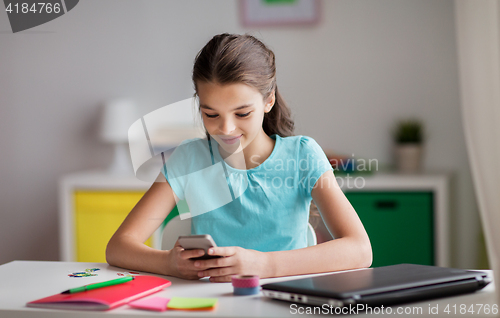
(232, 58)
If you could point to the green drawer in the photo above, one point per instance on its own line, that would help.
(400, 225)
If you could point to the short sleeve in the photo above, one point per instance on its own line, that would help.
(196, 176)
(190, 156)
(172, 170)
(313, 163)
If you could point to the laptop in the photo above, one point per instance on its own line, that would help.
(386, 285)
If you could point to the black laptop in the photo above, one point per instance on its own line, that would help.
(385, 285)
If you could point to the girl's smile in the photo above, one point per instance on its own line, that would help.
(231, 140)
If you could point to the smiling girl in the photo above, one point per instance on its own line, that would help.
(260, 223)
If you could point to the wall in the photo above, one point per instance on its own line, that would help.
(347, 80)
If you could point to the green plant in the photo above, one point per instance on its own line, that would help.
(409, 131)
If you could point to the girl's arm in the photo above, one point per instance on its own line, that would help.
(126, 248)
(351, 248)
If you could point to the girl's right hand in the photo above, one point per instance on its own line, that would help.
(180, 263)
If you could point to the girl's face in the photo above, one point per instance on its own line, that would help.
(233, 113)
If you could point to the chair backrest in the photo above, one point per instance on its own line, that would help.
(176, 227)
(311, 235)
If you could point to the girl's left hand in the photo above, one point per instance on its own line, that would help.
(235, 261)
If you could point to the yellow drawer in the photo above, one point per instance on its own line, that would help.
(98, 214)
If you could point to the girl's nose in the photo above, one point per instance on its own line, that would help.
(227, 127)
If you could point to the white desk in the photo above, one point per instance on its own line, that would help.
(23, 281)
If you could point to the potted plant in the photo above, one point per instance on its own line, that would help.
(408, 138)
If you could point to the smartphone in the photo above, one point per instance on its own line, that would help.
(204, 242)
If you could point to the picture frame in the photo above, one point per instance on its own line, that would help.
(259, 13)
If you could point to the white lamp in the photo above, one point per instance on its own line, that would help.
(117, 117)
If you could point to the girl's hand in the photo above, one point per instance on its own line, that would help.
(181, 263)
(235, 261)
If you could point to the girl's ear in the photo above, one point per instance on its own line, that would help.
(270, 102)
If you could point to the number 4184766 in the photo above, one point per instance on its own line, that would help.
(462, 309)
(40, 7)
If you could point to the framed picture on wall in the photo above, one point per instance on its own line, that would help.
(258, 13)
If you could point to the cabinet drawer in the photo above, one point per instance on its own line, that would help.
(98, 214)
(400, 225)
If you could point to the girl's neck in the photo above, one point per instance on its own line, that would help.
(258, 150)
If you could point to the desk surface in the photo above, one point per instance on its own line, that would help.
(24, 281)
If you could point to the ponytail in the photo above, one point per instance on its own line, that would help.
(279, 120)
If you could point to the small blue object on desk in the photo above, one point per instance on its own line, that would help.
(246, 291)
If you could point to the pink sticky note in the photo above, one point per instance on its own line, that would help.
(155, 303)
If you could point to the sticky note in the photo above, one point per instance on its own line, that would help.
(155, 303)
(188, 303)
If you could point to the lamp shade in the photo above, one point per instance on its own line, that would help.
(117, 116)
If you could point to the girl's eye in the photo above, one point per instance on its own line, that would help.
(211, 116)
(243, 115)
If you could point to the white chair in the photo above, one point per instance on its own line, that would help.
(177, 227)
(311, 235)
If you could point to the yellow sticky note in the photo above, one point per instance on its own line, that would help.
(189, 303)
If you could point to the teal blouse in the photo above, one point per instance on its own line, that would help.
(265, 208)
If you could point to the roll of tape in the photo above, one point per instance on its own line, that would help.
(245, 281)
(246, 291)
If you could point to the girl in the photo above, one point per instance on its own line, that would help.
(260, 223)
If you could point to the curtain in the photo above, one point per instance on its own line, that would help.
(478, 46)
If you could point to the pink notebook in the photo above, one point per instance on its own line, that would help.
(104, 298)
